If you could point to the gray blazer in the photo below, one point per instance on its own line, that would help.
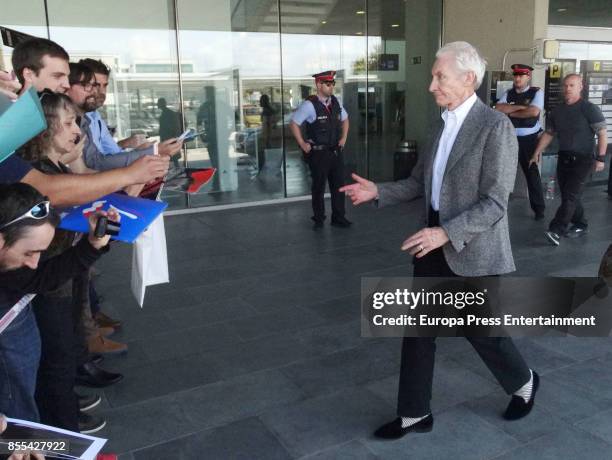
(477, 182)
(98, 161)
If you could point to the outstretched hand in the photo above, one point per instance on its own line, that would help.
(170, 147)
(148, 168)
(361, 191)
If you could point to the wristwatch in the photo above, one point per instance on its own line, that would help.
(601, 158)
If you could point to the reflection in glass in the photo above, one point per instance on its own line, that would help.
(327, 36)
(141, 52)
(236, 62)
(245, 65)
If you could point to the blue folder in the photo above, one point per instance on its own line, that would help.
(20, 121)
(136, 215)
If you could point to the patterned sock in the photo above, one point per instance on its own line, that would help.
(525, 391)
(409, 421)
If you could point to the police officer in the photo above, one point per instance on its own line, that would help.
(523, 105)
(327, 127)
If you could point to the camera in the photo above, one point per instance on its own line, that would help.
(104, 226)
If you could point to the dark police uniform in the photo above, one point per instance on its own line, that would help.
(325, 159)
(527, 132)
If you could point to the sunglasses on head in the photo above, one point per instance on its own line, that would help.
(38, 211)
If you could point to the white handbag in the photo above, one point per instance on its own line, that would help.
(149, 259)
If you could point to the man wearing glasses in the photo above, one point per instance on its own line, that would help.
(101, 135)
(83, 92)
(327, 127)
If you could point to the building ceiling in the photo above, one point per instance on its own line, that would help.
(585, 13)
(326, 17)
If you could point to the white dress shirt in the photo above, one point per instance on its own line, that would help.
(453, 120)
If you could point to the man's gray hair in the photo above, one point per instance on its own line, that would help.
(467, 59)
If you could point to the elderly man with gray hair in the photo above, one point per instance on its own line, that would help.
(466, 176)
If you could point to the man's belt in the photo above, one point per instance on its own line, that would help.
(574, 154)
(321, 147)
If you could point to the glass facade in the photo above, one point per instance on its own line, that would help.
(234, 70)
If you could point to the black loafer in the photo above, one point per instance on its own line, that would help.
(92, 376)
(96, 359)
(394, 430)
(518, 408)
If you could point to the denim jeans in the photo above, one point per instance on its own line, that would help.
(19, 358)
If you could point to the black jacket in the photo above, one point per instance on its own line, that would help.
(49, 275)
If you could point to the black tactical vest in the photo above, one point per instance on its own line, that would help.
(523, 99)
(327, 128)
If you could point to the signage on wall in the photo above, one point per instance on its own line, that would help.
(599, 66)
(555, 70)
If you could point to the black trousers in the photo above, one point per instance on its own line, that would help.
(610, 181)
(326, 166)
(418, 353)
(57, 403)
(527, 145)
(573, 170)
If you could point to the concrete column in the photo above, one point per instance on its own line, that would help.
(423, 22)
(495, 27)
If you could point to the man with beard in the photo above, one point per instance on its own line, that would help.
(327, 125)
(83, 90)
(101, 135)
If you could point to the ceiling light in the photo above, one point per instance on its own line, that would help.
(359, 33)
(395, 25)
(360, 12)
(323, 22)
(561, 10)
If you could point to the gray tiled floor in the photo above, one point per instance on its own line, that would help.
(254, 351)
